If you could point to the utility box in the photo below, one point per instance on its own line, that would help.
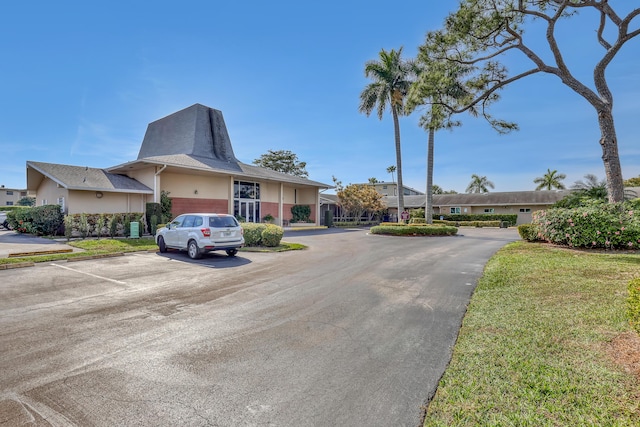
(328, 218)
(135, 230)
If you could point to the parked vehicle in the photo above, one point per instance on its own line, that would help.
(198, 233)
(3, 221)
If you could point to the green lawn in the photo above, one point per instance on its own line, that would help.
(111, 246)
(539, 343)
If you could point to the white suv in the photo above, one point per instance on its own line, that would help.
(198, 233)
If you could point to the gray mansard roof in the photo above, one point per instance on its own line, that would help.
(196, 138)
(82, 178)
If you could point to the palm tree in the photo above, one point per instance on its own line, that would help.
(591, 188)
(550, 180)
(391, 77)
(391, 169)
(479, 184)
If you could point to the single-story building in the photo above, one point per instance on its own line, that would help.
(189, 155)
(521, 203)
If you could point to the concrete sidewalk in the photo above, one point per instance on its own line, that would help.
(12, 242)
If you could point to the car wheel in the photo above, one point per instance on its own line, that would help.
(232, 252)
(193, 250)
(161, 245)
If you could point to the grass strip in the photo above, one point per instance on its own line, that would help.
(535, 348)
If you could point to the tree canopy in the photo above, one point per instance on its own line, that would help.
(550, 180)
(356, 200)
(483, 35)
(479, 184)
(282, 161)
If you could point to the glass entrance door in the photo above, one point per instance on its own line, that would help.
(249, 210)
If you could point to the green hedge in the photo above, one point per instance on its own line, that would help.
(256, 234)
(633, 304)
(414, 230)
(98, 225)
(272, 235)
(509, 218)
(528, 232)
(42, 220)
(468, 223)
(253, 233)
(601, 225)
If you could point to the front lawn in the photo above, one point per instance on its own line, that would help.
(545, 342)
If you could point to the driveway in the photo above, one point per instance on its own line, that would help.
(356, 330)
(12, 242)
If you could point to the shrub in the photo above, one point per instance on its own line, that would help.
(528, 232)
(113, 222)
(633, 304)
(68, 227)
(599, 225)
(509, 218)
(418, 220)
(253, 233)
(153, 209)
(100, 222)
(41, 220)
(83, 225)
(414, 230)
(271, 235)
(153, 225)
(127, 225)
(301, 213)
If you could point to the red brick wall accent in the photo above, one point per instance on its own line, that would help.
(269, 208)
(182, 205)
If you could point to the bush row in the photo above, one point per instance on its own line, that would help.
(601, 225)
(511, 219)
(256, 234)
(413, 230)
(99, 225)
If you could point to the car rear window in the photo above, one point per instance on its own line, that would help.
(222, 221)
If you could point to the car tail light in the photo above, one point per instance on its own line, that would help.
(206, 232)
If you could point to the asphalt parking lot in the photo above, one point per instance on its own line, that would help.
(356, 330)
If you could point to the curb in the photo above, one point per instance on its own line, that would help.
(34, 253)
(16, 265)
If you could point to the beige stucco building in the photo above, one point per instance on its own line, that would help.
(11, 196)
(189, 155)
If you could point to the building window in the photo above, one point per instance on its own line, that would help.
(525, 210)
(23, 194)
(246, 203)
(488, 210)
(44, 202)
(9, 193)
(9, 203)
(454, 210)
(61, 203)
(384, 187)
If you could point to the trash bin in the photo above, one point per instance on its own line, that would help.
(504, 224)
(135, 230)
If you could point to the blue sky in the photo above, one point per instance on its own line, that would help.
(81, 81)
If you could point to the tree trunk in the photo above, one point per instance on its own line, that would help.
(396, 126)
(610, 157)
(428, 207)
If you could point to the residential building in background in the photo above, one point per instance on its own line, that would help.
(11, 196)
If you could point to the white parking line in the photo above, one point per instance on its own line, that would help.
(89, 274)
